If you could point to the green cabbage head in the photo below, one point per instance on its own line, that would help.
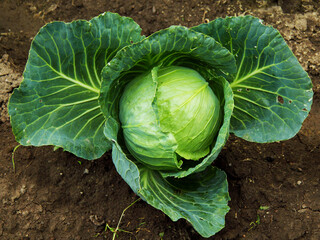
(168, 114)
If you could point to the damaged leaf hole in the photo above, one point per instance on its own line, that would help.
(280, 100)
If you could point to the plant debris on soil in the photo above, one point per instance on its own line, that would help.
(274, 187)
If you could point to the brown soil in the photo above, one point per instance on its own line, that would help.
(55, 195)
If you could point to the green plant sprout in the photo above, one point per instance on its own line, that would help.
(12, 157)
(117, 229)
(161, 235)
(264, 207)
(255, 223)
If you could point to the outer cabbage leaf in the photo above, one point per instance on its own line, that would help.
(57, 102)
(272, 93)
(201, 199)
(175, 45)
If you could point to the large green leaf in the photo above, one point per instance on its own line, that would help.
(272, 93)
(57, 102)
(201, 199)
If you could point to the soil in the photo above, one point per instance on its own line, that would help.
(54, 195)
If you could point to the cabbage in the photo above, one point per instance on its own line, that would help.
(165, 104)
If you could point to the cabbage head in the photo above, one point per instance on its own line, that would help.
(169, 114)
